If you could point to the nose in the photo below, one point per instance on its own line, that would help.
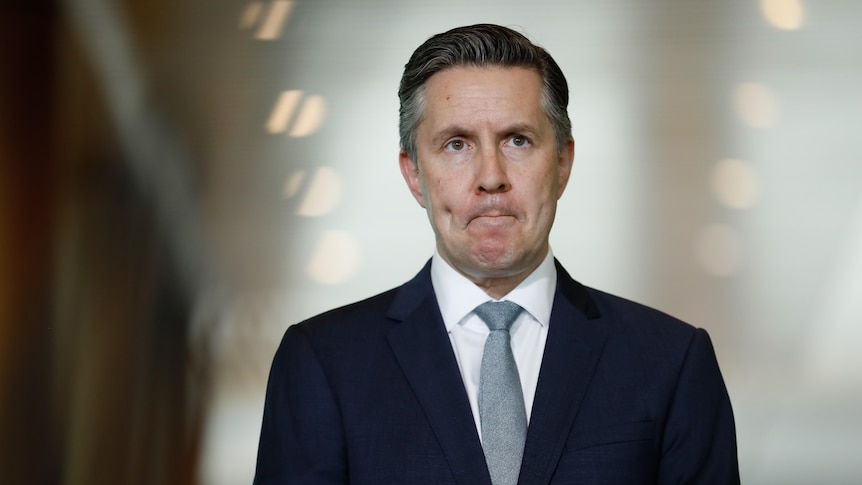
(491, 177)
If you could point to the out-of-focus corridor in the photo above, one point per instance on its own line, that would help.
(182, 180)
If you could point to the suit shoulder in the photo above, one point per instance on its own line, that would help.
(655, 339)
(359, 317)
(638, 318)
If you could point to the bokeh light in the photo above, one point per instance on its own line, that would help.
(783, 14)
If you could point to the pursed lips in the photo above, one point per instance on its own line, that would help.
(492, 218)
(492, 213)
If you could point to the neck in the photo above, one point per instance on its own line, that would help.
(499, 286)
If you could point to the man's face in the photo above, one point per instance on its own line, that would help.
(488, 171)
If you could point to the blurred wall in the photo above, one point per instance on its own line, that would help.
(183, 180)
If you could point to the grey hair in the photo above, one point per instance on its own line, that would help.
(481, 45)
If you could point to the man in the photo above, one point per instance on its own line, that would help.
(428, 384)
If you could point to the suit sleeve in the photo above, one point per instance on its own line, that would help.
(699, 443)
(301, 439)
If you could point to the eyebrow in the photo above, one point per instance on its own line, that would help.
(457, 130)
(448, 132)
(522, 128)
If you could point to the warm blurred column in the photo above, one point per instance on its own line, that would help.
(26, 170)
(98, 384)
(127, 410)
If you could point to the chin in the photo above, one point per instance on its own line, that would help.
(497, 264)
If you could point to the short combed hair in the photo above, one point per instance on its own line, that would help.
(481, 45)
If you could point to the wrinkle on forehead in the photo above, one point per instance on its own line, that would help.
(487, 99)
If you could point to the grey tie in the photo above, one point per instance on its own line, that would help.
(502, 416)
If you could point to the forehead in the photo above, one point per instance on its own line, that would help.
(484, 94)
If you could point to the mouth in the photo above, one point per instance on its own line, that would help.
(492, 215)
(492, 212)
(492, 220)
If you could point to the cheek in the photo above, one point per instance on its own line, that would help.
(443, 193)
(553, 182)
(544, 191)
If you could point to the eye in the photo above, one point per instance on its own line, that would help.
(456, 145)
(518, 141)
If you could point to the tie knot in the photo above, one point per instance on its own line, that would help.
(498, 315)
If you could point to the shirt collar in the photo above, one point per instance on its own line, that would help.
(457, 296)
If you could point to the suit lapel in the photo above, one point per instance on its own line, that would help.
(423, 351)
(571, 354)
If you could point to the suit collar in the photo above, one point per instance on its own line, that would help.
(575, 293)
(574, 346)
(412, 294)
(421, 346)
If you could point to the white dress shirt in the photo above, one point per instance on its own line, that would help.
(458, 297)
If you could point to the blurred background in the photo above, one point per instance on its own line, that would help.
(181, 180)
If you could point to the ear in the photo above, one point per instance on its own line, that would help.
(410, 171)
(566, 160)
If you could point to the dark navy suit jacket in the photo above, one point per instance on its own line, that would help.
(371, 393)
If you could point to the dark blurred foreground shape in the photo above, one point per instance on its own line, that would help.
(98, 384)
(26, 233)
